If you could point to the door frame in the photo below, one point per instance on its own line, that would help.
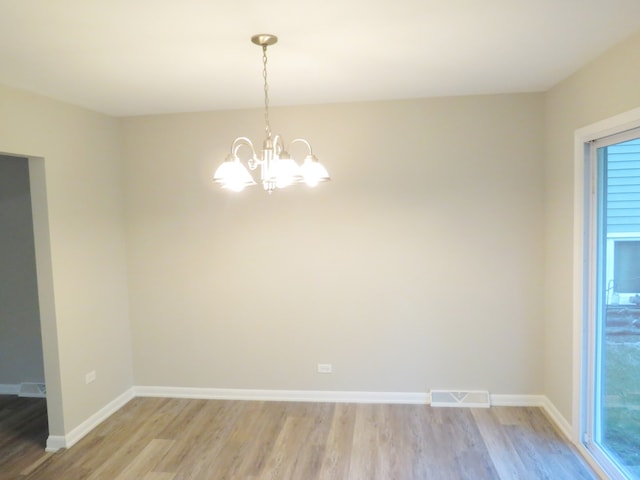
(582, 273)
(46, 298)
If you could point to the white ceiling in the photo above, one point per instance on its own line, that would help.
(133, 57)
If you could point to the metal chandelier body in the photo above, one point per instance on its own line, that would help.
(277, 168)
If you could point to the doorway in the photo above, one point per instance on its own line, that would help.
(45, 293)
(21, 356)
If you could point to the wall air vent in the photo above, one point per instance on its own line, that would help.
(460, 398)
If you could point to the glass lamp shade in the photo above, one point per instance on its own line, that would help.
(233, 175)
(286, 171)
(313, 172)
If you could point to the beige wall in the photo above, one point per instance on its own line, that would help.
(604, 88)
(76, 182)
(419, 266)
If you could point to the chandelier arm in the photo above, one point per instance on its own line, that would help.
(278, 144)
(238, 142)
(254, 161)
(302, 140)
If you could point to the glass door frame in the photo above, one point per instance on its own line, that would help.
(586, 224)
(596, 303)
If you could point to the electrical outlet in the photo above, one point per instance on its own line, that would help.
(90, 377)
(325, 368)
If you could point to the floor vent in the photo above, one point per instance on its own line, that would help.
(461, 398)
(35, 390)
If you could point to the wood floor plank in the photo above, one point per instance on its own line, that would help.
(23, 433)
(257, 436)
(537, 444)
(180, 439)
(469, 456)
(147, 460)
(207, 455)
(338, 450)
(377, 449)
(283, 460)
(364, 449)
(159, 476)
(505, 458)
(310, 456)
(190, 427)
(416, 423)
(31, 468)
(130, 440)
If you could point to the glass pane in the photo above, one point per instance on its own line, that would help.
(617, 415)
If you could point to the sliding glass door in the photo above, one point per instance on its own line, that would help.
(612, 423)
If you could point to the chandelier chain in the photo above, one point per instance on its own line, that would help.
(267, 127)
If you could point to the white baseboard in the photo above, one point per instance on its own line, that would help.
(33, 390)
(419, 398)
(283, 395)
(9, 389)
(554, 414)
(500, 400)
(55, 442)
(24, 389)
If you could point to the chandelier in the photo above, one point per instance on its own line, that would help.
(277, 168)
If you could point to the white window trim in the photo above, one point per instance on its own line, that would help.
(582, 195)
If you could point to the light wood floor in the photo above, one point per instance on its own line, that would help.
(23, 434)
(177, 439)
